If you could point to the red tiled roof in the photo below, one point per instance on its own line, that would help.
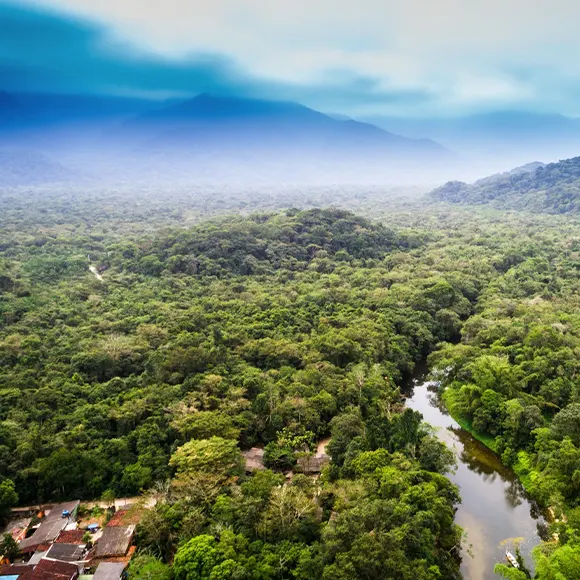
(51, 570)
(124, 517)
(35, 548)
(70, 537)
(13, 569)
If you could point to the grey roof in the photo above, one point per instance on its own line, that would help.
(109, 571)
(36, 557)
(115, 541)
(313, 464)
(51, 525)
(66, 552)
(254, 458)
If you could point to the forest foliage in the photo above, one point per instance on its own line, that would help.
(551, 188)
(277, 330)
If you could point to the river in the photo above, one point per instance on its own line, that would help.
(494, 509)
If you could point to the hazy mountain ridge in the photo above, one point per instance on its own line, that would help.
(553, 188)
(31, 168)
(491, 140)
(216, 139)
(271, 141)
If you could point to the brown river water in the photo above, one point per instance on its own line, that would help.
(495, 510)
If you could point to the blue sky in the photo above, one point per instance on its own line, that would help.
(393, 57)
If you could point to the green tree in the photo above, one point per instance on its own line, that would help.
(560, 563)
(8, 497)
(196, 559)
(9, 547)
(215, 455)
(145, 567)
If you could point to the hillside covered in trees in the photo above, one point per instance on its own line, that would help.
(552, 188)
(277, 330)
(274, 330)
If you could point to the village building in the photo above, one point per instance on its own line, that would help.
(70, 537)
(56, 520)
(109, 571)
(254, 458)
(13, 571)
(52, 570)
(115, 541)
(66, 552)
(44, 570)
(37, 557)
(19, 528)
(312, 464)
(59, 552)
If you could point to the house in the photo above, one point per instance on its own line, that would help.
(254, 458)
(66, 552)
(44, 570)
(114, 542)
(70, 537)
(37, 557)
(312, 464)
(109, 571)
(11, 571)
(51, 526)
(52, 570)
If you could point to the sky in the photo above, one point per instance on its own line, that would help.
(415, 58)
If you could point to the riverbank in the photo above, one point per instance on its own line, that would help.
(495, 510)
(487, 440)
(521, 467)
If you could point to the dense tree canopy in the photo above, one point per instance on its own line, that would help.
(278, 330)
(553, 188)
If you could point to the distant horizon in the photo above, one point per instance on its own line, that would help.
(157, 98)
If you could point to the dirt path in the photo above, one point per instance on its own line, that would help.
(321, 447)
(94, 270)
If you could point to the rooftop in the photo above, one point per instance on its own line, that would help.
(71, 537)
(312, 464)
(109, 571)
(51, 570)
(254, 458)
(66, 552)
(37, 557)
(13, 570)
(115, 541)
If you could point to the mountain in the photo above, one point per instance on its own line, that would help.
(213, 139)
(56, 123)
(18, 168)
(230, 120)
(273, 140)
(496, 139)
(551, 188)
(53, 109)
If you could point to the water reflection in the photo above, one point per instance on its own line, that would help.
(495, 510)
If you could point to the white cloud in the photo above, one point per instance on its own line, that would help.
(461, 50)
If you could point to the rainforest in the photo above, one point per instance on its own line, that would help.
(147, 356)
